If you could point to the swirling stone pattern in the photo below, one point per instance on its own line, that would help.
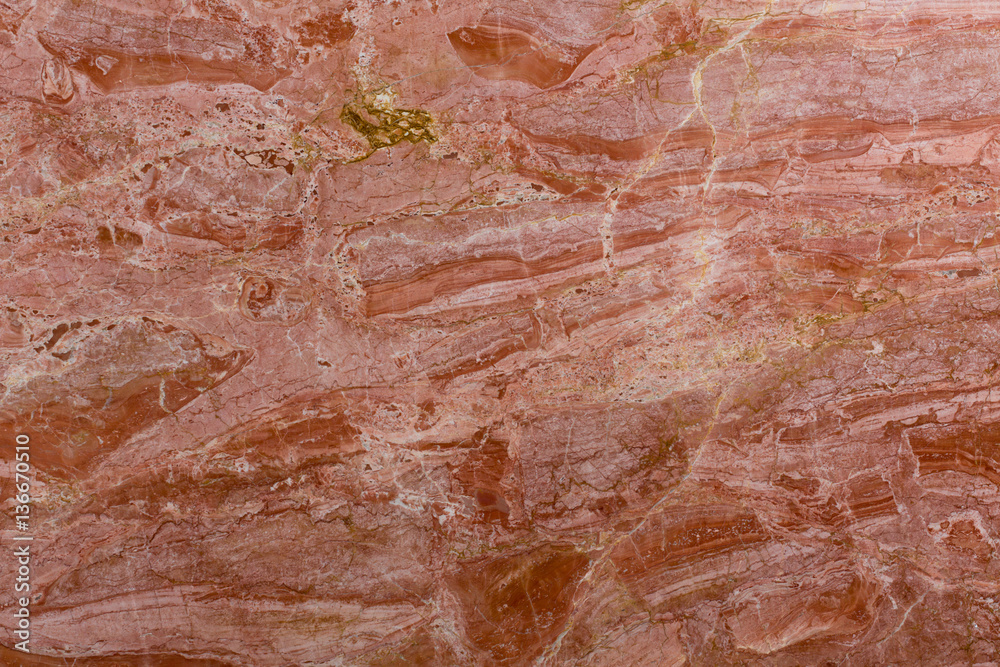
(495, 334)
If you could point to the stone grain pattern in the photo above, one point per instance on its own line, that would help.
(499, 334)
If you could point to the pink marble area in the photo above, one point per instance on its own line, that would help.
(607, 334)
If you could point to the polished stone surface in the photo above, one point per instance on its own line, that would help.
(560, 333)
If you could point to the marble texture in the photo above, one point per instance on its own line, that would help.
(436, 333)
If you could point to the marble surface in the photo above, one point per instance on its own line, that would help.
(516, 333)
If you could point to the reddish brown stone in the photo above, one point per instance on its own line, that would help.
(472, 334)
